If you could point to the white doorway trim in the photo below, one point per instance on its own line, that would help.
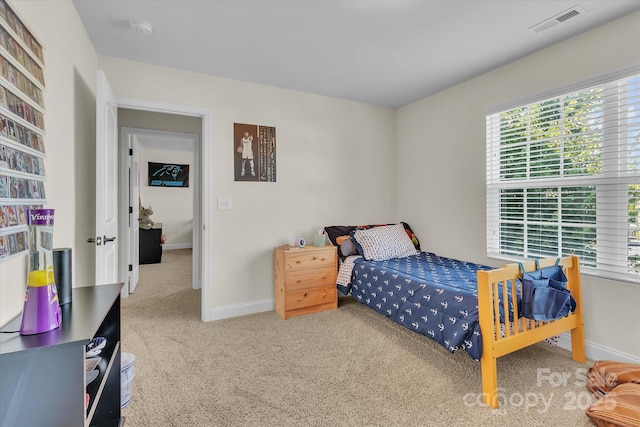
(201, 241)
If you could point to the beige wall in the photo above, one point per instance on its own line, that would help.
(441, 163)
(70, 75)
(335, 165)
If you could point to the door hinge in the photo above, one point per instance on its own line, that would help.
(130, 209)
(130, 267)
(131, 151)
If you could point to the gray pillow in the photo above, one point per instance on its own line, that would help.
(348, 248)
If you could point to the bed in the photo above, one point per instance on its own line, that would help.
(461, 305)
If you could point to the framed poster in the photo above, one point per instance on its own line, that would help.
(168, 175)
(254, 150)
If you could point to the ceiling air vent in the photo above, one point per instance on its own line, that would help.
(558, 19)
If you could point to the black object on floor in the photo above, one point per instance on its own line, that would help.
(150, 245)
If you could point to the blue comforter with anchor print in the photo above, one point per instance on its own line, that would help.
(429, 294)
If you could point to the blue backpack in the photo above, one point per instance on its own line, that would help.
(544, 293)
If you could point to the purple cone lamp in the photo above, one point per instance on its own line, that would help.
(41, 311)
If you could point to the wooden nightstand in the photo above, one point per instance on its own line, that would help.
(305, 279)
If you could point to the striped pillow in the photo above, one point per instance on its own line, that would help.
(384, 242)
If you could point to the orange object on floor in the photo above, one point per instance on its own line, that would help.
(618, 408)
(605, 375)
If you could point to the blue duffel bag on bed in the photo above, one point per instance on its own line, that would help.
(544, 293)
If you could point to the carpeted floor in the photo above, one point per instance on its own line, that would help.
(344, 367)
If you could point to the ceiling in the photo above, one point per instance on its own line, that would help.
(383, 52)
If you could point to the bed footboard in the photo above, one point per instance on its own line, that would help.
(500, 338)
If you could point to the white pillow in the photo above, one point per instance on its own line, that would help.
(384, 242)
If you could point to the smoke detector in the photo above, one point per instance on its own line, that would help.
(558, 19)
(141, 27)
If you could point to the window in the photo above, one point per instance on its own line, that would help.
(563, 178)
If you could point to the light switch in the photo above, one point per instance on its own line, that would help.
(224, 203)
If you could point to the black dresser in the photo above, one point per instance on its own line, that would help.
(150, 245)
(43, 375)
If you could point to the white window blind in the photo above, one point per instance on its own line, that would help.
(563, 178)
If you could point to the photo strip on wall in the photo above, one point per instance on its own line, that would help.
(22, 130)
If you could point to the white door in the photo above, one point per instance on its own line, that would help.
(134, 202)
(106, 183)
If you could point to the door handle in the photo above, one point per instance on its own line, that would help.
(106, 239)
(97, 240)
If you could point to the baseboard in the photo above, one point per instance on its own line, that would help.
(236, 310)
(171, 246)
(596, 351)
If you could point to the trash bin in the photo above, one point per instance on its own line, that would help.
(127, 363)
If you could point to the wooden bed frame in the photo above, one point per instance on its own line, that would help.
(521, 332)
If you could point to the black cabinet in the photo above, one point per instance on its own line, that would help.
(42, 376)
(150, 245)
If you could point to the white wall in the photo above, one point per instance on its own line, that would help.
(441, 163)
(335, 165)
(173, 207)
(70, 76)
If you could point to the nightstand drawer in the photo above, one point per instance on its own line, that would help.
(297, 280)
(310, 297)
(308, 260)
